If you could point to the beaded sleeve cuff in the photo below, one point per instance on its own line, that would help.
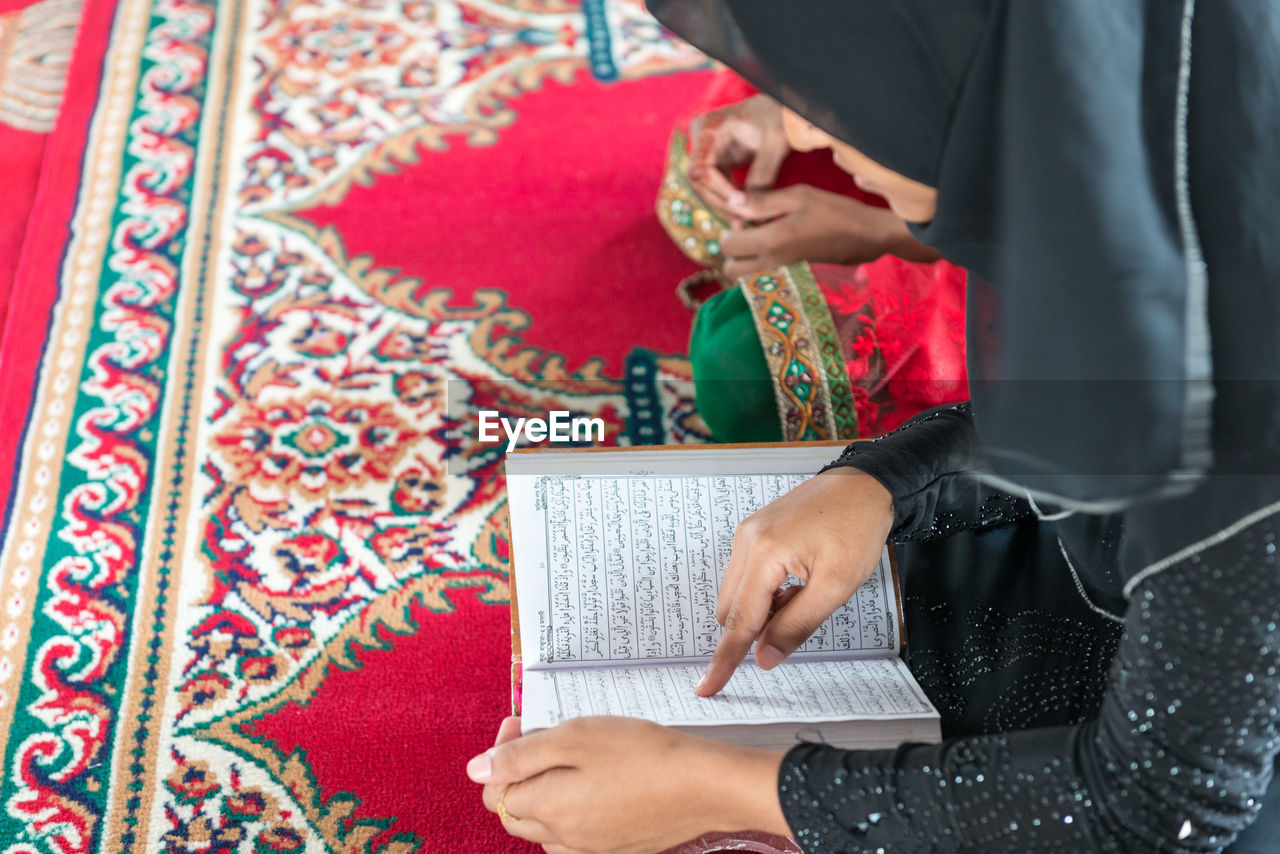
(924, 465)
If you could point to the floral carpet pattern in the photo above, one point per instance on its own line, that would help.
(253, 590)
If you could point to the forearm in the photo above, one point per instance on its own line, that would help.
(898, 240)
(1178, 759)
(871, 232)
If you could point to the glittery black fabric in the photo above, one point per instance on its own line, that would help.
(1178, 758)
(1002, 632)
(997, 633)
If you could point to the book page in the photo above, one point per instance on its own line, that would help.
(810, 691)
(623, 567)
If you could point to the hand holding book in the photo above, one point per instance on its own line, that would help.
(648, 787)
(828, 532)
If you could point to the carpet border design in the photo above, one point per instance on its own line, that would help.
(55, 786)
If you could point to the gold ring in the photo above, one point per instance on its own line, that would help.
(501, 807)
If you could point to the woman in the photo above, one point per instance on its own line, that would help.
(1105, 171)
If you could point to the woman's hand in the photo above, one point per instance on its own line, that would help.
(622, 785)
(829, 532)
(748, 133)
(803, 223)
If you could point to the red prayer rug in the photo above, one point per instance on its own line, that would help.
(253, 597)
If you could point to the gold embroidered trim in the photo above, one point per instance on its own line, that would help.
(694, 226)
(793, 351)
(839, 386)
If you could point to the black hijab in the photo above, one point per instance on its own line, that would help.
(1109, 173)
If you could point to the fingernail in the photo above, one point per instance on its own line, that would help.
(769, 657)
(480, 769)
(702, 683)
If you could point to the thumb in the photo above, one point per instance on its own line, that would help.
(518, 759)
(795, 622)
(764, 205)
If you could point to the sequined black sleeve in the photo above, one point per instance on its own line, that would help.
(924, 464)
(1177, 760)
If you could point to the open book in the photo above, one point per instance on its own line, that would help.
(618, 556)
